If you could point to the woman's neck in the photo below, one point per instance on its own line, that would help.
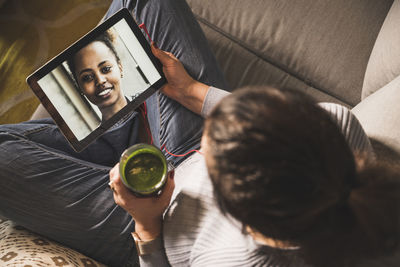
(108, 112)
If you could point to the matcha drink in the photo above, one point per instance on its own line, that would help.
(143, 169)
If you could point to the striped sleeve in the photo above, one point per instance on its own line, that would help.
(350, 127)
(214, 95)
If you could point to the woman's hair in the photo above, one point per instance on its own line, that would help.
(106, 38)
(280, 165)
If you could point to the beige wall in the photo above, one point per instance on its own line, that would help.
(31, 33)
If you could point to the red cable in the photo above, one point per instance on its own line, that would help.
(143, 111)
(145, 108)
(142, 26)
(181, 155)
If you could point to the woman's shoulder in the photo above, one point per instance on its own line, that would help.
(350, 127)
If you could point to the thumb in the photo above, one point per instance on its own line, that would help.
(114, 172)
(165, 57)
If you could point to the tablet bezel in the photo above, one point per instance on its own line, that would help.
(32, 80)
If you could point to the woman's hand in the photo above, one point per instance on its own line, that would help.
(181, 87)
(146, 211)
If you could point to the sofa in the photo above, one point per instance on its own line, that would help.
(336, 51)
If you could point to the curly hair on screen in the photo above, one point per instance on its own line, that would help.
(107, 38)
(281, 165)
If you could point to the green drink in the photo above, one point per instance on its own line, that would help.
(143, 169)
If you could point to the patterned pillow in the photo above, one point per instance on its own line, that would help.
(20, 247)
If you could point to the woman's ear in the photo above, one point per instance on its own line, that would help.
(120, 70)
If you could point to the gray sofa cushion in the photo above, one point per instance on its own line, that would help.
(379, 116)
(241, 72)
(323, 44)
(384, 63)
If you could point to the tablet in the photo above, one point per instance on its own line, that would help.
(99, 80)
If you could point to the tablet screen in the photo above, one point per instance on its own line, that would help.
(99, 80)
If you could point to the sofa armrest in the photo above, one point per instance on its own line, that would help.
(379, 114)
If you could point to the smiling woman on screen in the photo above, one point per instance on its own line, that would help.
(97, 70)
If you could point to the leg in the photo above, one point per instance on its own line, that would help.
(106, 150)
(173, 27)
(66, 198)
(50, 189)
(63, 198)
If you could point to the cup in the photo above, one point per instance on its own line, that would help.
(143, 169)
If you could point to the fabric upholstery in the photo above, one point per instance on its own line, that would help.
(379, 115)
(256, 71)
(19, 247)
(324, 44)
(384, 63)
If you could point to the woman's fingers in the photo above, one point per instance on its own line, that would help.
(166, 58)
(168, 188)
(122, 195)
(114, 173)
(126, 199)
